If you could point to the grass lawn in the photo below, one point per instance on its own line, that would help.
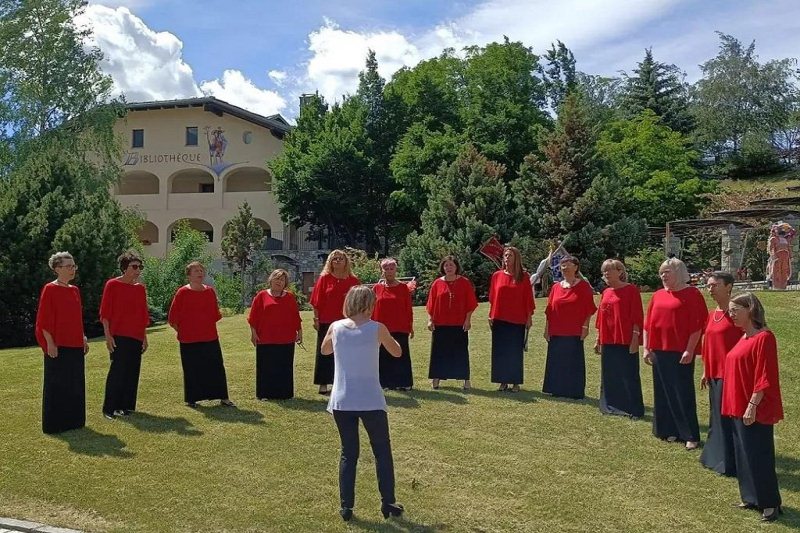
(474, 462)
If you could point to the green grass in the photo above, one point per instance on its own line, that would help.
(477, 461)
(778, 182)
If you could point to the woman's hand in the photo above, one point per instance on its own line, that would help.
(467, 324)
(431, 327)
(254, 338)
(85, 345)
(648, 356)
(749, 414)
(634, 348)
(687, 358)
(584, 332)
(145, 344)
(703, 382)
(316, 323)
(298, 339)
(546, 334)
(52, 349)
(110, 344)
(491, 322)
(411, 334)
(597, 348)
(529, 322)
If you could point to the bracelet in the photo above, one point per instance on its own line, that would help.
(753, 404)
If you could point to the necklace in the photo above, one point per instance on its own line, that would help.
(721, 317)
(450, 293)
(61, 283)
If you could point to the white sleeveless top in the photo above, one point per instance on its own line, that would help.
(356, 383)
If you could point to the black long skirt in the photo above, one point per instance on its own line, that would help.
(718, 454)
(64, 391)
(620, 384)
(508, 342)
(122, 383)
(754, 446)
(203, 371)
(275, 371)
(449, 353)
(323, 364)
(674, 401)
(565, 369)
(395, 372)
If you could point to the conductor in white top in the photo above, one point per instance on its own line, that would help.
(357, 394)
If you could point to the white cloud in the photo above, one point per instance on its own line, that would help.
(144, 64)
(278, 77)
(130, 4)
(236, 89)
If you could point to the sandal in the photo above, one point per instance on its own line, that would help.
(515, 388)
(503, 387)
(435, 383)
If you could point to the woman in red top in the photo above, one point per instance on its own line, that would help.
(393, 309)
(676, 316)
(194, 314)
(752, 398)
(59, 331)
(570, 305)
(719, 336)
(274, 329)
(124, 315)
(327, 299)
(451, 302)
(511, 308)
(619, 323)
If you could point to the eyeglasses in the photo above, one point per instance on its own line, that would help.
(137, 267)
(734, 310)
(69, 267)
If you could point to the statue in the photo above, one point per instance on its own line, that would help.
(779, 245)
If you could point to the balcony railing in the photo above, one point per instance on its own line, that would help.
(300, 240)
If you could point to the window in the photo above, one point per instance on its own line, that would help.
(191, 136)
(138, 139)
(206, 187)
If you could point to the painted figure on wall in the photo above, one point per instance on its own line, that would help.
(779, 245)
(216, 146)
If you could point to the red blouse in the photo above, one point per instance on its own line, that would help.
(276, 320)
(124, 305)
(672, 317)
(393, 307)
(568, 309)
(752, 366)
(60, 313)
(328, 296)
(508, 300)
(450, 301)
(195, 314)
(720, 335)
(619, 313)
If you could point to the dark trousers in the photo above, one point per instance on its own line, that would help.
(754, 447)
(64, 391)
(377, 425)
(122, 383)
(674, 401)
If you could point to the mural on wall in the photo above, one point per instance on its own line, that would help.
(217, 145)
(779, 267)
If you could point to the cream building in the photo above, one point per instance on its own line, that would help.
(199, 159)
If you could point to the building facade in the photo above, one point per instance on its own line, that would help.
(198, 160)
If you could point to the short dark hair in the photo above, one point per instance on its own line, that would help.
(127, 258)
(452, 258)
(571, 259)
(725, 277)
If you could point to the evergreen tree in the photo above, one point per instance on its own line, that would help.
(243, 237)
(465, 207)
(559, 76)
(660, 88)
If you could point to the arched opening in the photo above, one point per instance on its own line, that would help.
(248, 179)
(148, 233)
(137, 182)
(196, 224)
(191, 180)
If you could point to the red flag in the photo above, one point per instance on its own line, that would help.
(493, 249)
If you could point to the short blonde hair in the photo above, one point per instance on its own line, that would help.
(616, 264)
(279, 273)
(359, 299)
(190, 266)
(57, 258)
(677, 266)
(327, 269)
(748, 300)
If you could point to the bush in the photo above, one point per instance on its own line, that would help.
(757, 157)
(643, 268)
(367, 269)
(229, 291)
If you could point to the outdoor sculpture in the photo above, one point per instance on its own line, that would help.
(779, 245)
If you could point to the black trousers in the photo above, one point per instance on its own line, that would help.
(323, 364)
(64, 391)
(754, 447)
(122, 383)
(718, 452)
(377, 425)
(275, 371)
(674, 400)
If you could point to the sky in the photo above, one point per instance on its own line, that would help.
(263, 54)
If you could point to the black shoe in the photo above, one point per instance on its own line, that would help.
(391, 509)
(227, 403)
(193, 405)
(772, 516)
(745, 506)
(346, 514)
(109, 416)
(119, 412)
(126, 412)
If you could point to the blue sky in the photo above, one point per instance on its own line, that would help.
(262, 54)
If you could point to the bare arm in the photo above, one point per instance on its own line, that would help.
(110, 344)
(52, 349)
(688, 355)
(327, 343)
(388, 342)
